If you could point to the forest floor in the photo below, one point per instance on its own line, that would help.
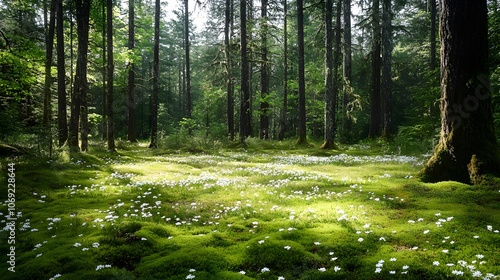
(270, 213)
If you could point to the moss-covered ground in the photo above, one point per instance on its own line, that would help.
(273, 212)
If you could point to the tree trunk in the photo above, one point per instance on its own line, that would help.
(467, 149)
(264, 76)
(347, 70)
(156, 70)
(302, 83)
(245, 76)
(329, 129)
(49, 47)
(131, 135)
(375, 110)
(62, 117)
(111, 121)
(104, 65)
(386, 68)
(433, 13)
(80, 86)
(281, 134)
(229, 77)
(188, 62)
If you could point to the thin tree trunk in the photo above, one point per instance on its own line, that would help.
(104, 73)
(62, 117)
(131, 75)
(433, 13)
(283, 127)
(49, 47)
(229, 77)
(467, 149)
(188, 61)
(347, 70)
(264, 76)
(80, 87)
(156, 70)
(111, 120)
(329, 129)
(387, 68)
(245, 76)
(375, 110)
(302, 83)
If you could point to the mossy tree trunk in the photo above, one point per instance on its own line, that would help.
(467, 149)
(302, 81)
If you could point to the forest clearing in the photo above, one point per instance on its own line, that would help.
(249, 214)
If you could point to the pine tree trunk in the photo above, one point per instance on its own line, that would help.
(62, 117)
(80, 86)
(347, 70)
(433, 12)
(467, 149)
(49, 47)
(375, 110)
(264, 76)
(245, 76)
(329, 129)
(302, 83)
(386, 67)
(156, 70)
(111, 121)
(104, 66)
(188, 62)
(229, 69)
(283, 127)
(131, 135)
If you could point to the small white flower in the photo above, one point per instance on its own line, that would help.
(378, 270)
(39, 255)
(317, 243)
(192, 270)
(242, 272)
(445, 251)
(322, 269)
(287, 247)
(405, 267)
(476, 236)
(190, 276)
(392, 272)
(336, 268)
(265, 269)
(450, 264)
(436, 263)
(95, 245)
(360, 239)
(393, 259)
(77, 244)
(490, 228)
(281, 278)
(426, 231)
(261, 241)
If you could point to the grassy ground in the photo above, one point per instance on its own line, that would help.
(246, 213)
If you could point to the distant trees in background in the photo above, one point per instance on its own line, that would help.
(271, 65)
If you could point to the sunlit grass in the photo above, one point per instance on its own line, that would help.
(265, 211)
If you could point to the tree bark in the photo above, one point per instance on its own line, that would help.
(264, 75)
(329, 129)
(302, 139)
(387, 67)
(375, 110)
(80, 86)
(104, 73)
(111, 121)
(283, 127)
(49, 47)
(156, 70)
(188, 61)
(62, 118)
(229, 74)
(433, 13)
(467, 149)
(245, 76)
(347, 70)
(131, 135)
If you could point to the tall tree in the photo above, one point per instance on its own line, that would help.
(347, 70)
(264, 75)
(245, 75)
(111, 67)
(62, 118)
(229, 76)
(302, 139)
(433, 14)
(49, 47)
(79, 95)
(329, 130)
(131, 135)
(467, 148)
(104, 66)
(188, 60)
(281, 134)
(387, 67)
(375, 109)
(156, 70)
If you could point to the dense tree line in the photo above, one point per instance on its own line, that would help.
(341, 70)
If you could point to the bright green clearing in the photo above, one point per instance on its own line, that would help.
(247, 214)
